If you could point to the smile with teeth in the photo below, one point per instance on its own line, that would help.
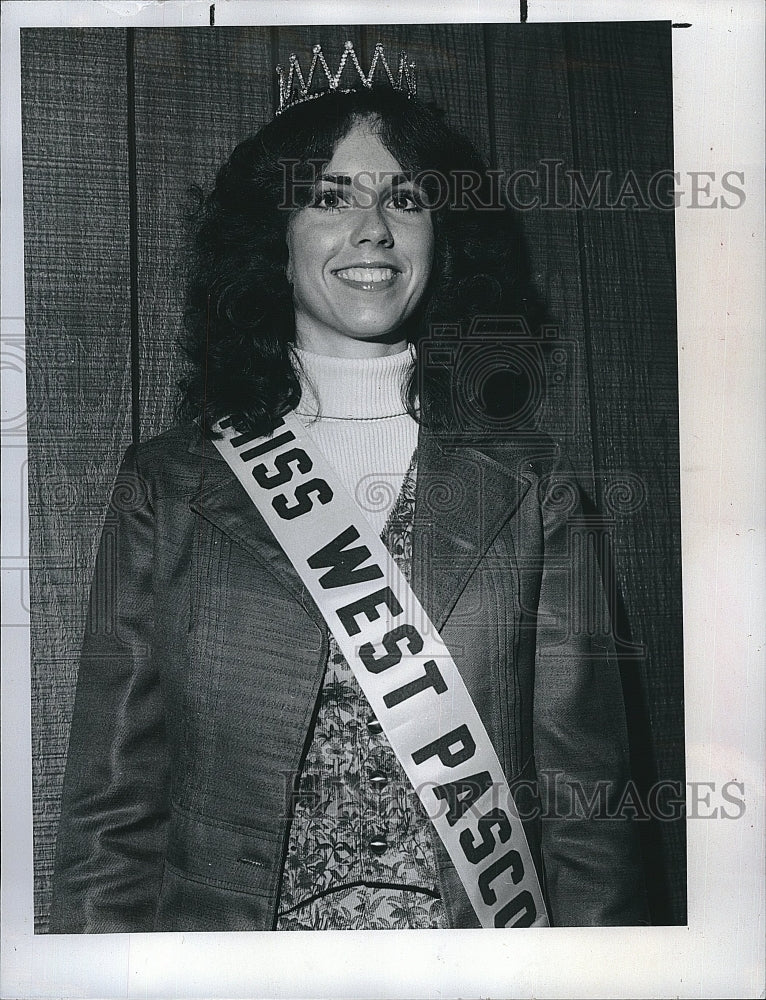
(380, 276)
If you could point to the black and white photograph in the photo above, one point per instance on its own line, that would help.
(350, 472)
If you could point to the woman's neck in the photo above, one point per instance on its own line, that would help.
(331, 344)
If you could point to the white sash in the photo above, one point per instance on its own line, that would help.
(402, 666)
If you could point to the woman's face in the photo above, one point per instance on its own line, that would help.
(360, 253)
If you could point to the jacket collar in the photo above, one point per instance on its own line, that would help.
(463, 496)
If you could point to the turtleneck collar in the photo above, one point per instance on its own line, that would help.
(352, 388)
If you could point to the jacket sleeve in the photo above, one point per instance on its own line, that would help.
(590, 851)
(115, 803)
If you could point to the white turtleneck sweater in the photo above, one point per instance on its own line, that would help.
(352, 408)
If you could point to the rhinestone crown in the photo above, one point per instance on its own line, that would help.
(295, 88)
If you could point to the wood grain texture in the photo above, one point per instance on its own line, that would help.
(621, 110)
(78, 365)
(451, 69)
(532, 129)
(198, 93)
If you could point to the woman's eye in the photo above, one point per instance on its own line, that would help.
(404, 202)
(329, 200)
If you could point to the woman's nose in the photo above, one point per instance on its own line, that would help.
(372, 227)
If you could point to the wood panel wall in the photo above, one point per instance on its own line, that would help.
(78, 365)
(119, 123)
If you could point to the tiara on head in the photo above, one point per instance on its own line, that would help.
(295, 88)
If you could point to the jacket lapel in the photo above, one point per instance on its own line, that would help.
(463, 496)
(223, 502)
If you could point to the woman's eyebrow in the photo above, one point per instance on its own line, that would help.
(342, 180)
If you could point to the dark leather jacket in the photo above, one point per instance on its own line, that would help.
(204, 657)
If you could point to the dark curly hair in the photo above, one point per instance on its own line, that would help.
(239, 318)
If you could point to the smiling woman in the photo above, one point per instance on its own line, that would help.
(345, 655)
(359, 266)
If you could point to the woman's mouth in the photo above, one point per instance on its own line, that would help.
(368, 278)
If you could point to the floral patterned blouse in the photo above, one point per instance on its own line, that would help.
(360, 854)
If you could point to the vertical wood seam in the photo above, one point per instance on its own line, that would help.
(135, 375)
